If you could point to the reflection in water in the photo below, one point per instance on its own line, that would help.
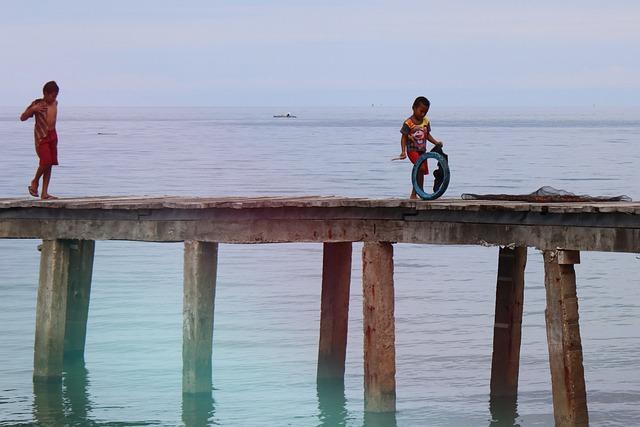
(76, 389)
(504, 411)
(332, 403)
(384, 419)
(197, 409)
(332, 408)
(67, 403)
(48, 407)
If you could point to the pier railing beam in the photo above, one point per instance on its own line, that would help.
(51, 310)
(379, 327)
(334, 311)
(563, 338)
(507, 329)
(78, 292)
(200, 269)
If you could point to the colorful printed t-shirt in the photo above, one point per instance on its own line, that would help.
(419, 133)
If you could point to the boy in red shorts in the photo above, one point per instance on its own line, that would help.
(45, 110)
(416, 131)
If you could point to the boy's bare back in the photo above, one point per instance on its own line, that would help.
(52, 114)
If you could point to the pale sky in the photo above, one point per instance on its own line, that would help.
(306, 53)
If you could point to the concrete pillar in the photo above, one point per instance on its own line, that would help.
(200, 268)
(334, 311)
(51, 310)
(507, 329)
(379, 327)
(563, 338)
(78, 292)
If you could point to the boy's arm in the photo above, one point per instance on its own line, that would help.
(27, 114)
(432, 140)
(33, 108)
(403, 147)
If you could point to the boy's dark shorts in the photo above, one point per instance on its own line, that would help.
(47, 149)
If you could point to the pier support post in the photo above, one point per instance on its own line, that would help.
(563, 338)
(78, 292)
(200, 269)
(51, 311)
(379, 327)
(507, 329)
(334, 311)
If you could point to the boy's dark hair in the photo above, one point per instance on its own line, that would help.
(50, 87)
(421, 100)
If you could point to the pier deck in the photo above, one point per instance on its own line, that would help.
(598, 226)
(70, 227)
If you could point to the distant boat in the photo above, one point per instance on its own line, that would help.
(284, 116)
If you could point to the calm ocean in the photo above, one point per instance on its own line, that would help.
(268, 296)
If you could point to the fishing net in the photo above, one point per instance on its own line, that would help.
(547, 194)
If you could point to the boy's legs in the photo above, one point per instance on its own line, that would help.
(35, 183)
(414, 156)
(48, 155)
(46, 177)
(420, 180)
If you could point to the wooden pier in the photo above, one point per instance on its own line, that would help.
(70, 227)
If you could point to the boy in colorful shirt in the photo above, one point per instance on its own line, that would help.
(416, 131)
(45, 110)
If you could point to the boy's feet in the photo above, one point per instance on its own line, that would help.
(48, 197)
(33, 190)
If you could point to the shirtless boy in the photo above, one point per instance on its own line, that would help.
(45, 110)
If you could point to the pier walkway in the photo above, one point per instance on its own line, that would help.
(70, 227)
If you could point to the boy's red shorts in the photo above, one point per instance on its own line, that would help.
(414, 156)
(47, 149)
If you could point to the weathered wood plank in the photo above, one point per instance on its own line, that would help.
(160, 202)
(563, 337)
(334, 312)
(326, 219)
(379, 327)
(568, 257)
(507, 332)
(338, 230)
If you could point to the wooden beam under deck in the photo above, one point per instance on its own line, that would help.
(610, 226)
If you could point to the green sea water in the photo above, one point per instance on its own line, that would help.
(268, 296)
